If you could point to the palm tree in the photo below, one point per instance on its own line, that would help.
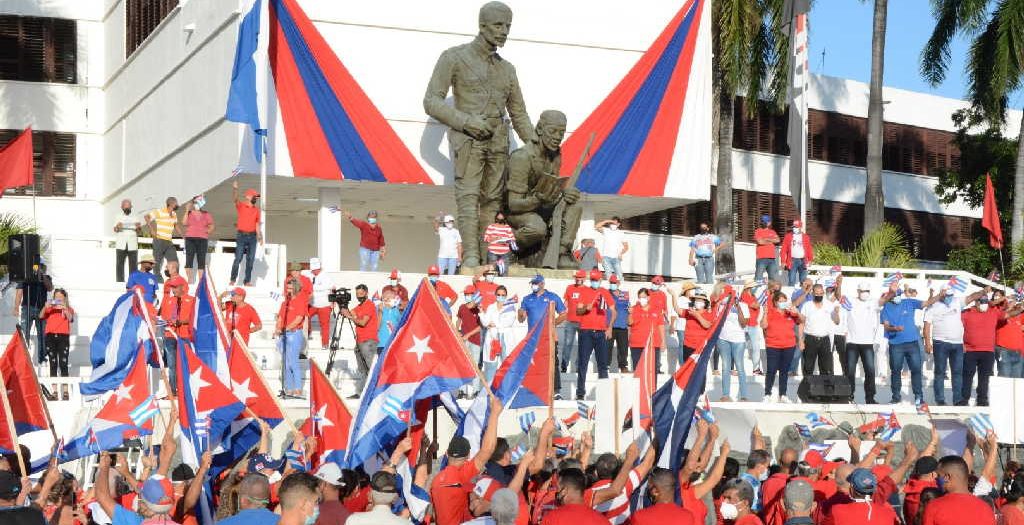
(994, 67)
(750, 53)
(874, 199)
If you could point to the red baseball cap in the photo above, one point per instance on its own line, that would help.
(658, 279)
(469, 289)
(614, 279)
(250, 193)
(433, 270)
(239, 291)
(580, 274)
(595, 275)
(813, 459)
(394, 274)
(798, 223)
(176, 281)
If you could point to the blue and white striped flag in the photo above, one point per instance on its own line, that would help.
(981, 425)
(144, 412)
(526, 421)
(395, 408)
(584, 411)
(517, 453)
(896, 277)
(804, 430)
(957, 285)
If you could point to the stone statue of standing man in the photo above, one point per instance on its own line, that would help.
(487, 97)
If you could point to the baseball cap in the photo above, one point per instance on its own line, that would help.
(157, 490)
(433, 270)
(176, 281)
(537, 279)
(314, 263)
(383, 482)
(813, 459)
(595, 275)
(394, 274)
(925, 465)
(458, 447)
(485, 487)
(330, 473)
(614, 279)
(182, 472)
(264, 462)
(862, 481)
(294, 267)
(580, 274)
(469, 289)
(766, 218)
(10, 485)
(449, 218)
(371, 213)
(239, 291)
(250, 193)
(798, 223)
(658, 279)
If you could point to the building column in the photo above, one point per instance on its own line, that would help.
(328, 238)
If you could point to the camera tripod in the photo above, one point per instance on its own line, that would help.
(339, 325)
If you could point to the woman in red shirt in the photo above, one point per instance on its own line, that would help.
(58, 316)
(779, 325)
(698, 321)
(643, 324)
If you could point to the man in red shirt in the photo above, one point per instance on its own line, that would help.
(766, 240)
(468, 323)
(596, 309)
(364, 316)
(239, 315)
(980, 324)
(570, 329)
(863, 510)
(925, 471)
(444, 291)
(664, 510)
(248, 233)
(371, 241)
(395, 284)
(449, 491)
(958, 506)
(176, 311)
(572, 508)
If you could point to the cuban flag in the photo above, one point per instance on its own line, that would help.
(568, 422)
(413, 497)
(891, 428)
(562, 444)
(524, 380)
(957, 284)
(393, 407)
(329, 419)
(675, 402)
(815, 420)
(822, 448)
(704, 412)
(526, 421)
(894, 278)
(650, 132)
(519, 451)
(922, 408)
(115, 343)
(284, 67)
(803, 430)
(127, 413)
(21, 388)
(210, 335)
(981, 425)
(844, 301)
(762, 295)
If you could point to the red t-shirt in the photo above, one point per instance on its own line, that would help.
(749, 519)
(371, 237)
(781, 330)
(823, 512)
(958, 509)
(445, 292)
(574, 514)
(178, 309)
(58, 321)
(1009, 335)
(469, 319)
(449, 492)
(367, 332)
(912, 497)
(486, 291)
(659, 304)
(772, 488)
(864, 514)
(1012, 515)
(644, 325)
(292, 310)
(694, 504)
(748, 299)
(824, 489)
(241, 318)
(980, 329)
(765, 251)
(360, 501)
(248, 217)
(571, 297)
(695, 334)
(600, 301)
(663, 514)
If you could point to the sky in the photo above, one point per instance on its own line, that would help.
(842, 29)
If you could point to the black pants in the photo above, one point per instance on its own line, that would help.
(983, 363)
(620, 340)
(132, 256)
(195, 250)
(866, 355)
(839, 347)
(638, 351)
(817, 349)
(57, 348)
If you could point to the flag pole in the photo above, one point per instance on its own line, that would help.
(158, 350)
(39, 390)
(10, 425)
(615, 409)
(551, 360)
(245, 351)
(263, 188)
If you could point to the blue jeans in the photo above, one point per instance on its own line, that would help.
(778, 364)
(755, 345)
(291, 344)
(171, 361)
(591, 341)
(30, 317)
(732, 353)
(447, 265)
(770, 268)
(569, 342)
(245, 245)
(1011, 363)
(953, 354)
(612, 265)
(705, 268)
(911, 354)
(797, 271)
(368, 260)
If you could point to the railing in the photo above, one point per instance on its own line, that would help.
(935, 276)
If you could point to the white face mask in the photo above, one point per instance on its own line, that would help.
(613, 227)
(642, 301)
(983, 307)
(783, 305)
(728, 511)
(864, 296)
(698, 304)
(489, 277)
(393, 303)
(393, 282)
(274, 477)
(535, 287)
(796, 230)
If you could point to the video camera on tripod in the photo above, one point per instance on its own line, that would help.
(341, 297)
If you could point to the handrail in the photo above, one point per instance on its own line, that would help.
(882, 273)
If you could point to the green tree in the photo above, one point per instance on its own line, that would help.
(885, 246)
(750, 54)
(994, 68)
(983, 152)
(13, 224)
(874, 198)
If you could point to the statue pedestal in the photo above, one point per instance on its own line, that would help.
(516, 270)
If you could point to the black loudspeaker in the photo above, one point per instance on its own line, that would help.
(825, 389)
(23, 257)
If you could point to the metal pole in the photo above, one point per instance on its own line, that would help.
(263, 190)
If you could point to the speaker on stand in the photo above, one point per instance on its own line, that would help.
(23, 257)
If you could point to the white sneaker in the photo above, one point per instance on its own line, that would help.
(784, 400)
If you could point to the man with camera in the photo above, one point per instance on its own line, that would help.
(364, 316)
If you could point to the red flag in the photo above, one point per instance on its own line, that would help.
(27, 406)
(16, 162)
(329, 419)
(990, 216)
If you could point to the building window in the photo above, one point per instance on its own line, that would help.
(38, 49)
(53, 163)
(141, 18)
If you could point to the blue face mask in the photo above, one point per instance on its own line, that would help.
(613, 287)
(595, 284)
(371, 220)
(897, 300)
(947, 299)
(941, 483)
(310, 520)
(432, 279)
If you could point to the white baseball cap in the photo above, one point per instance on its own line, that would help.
(449, 218)
(314, 263)
(329, 473)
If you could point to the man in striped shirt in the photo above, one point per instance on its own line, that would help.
(499, 238)
(163, 224)
(616, 483)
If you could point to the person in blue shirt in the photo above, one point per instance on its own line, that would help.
(904, 340)
(144, 277)
(534, 307)
(388, 313)
(253, 497)
(620, 327)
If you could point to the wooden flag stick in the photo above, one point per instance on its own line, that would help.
(10, 425)
(245, 351)
(157, 348)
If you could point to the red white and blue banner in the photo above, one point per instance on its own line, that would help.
(283, 66)
(652, 134)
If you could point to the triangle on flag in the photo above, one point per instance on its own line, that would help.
(205, 405)
(129, 396)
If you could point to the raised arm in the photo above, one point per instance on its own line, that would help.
(716, 473)
(490, 439)
(622, 478)
(195, 486)
(168, 446)
(102, 492)
(543, 442)
(910, 455)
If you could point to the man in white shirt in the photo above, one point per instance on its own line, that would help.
(449, 249)
(862, 323)
(320, 306)
(944, 339)
(126, 241)
(821, 317)
(613, 247)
